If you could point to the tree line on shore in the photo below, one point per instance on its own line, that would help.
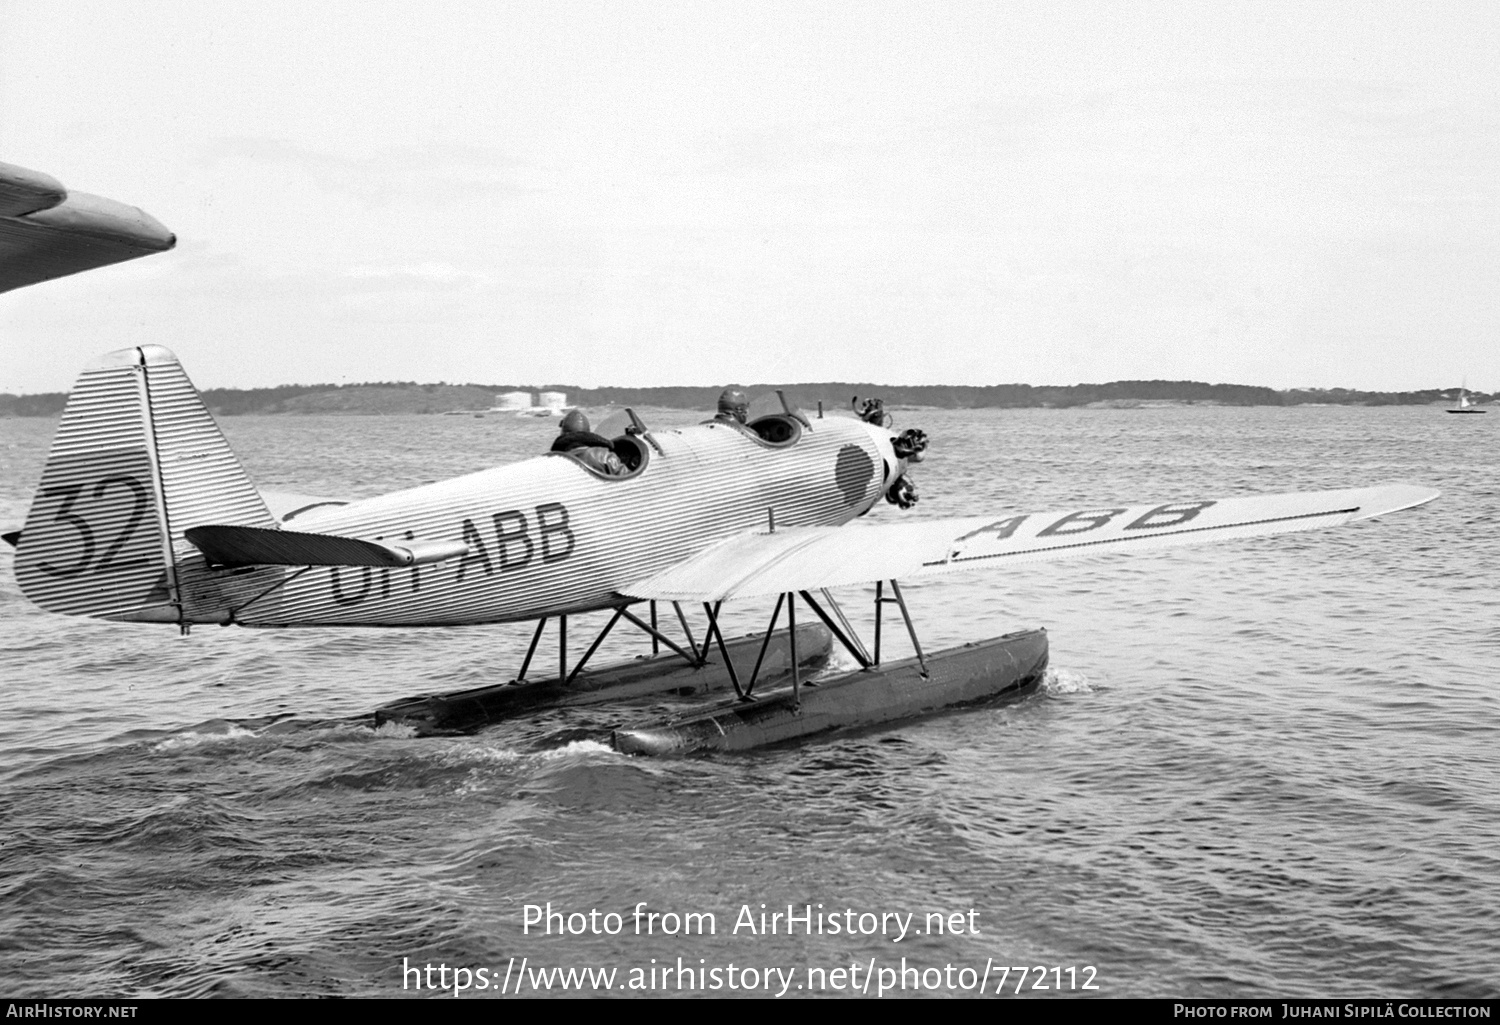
(409, 397)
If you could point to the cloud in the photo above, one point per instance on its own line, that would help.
(411, 175)
(424, 275)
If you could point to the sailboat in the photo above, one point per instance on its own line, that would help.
(1464, 405)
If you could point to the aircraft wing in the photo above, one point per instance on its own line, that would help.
(810, 558)
(48, 232)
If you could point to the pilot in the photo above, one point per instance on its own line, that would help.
(733, 406)
(593, 450)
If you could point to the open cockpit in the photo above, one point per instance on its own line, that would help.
(622, 449)
(770, 421)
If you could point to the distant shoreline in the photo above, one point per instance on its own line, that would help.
(410, 398)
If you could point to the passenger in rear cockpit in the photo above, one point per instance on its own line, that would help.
(590, 449)
(733, 406)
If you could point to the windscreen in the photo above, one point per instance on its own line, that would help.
(773, 403)
(617, 421)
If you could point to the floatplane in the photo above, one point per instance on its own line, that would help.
(144, 515)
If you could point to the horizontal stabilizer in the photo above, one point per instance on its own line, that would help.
(258, 546)
(810, 558)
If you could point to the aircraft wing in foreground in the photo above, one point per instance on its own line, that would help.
(768, 563)
(48, 232)
(804, 562)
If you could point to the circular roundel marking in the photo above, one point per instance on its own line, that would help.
(853, 473)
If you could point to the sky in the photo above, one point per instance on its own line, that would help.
(1281, 194)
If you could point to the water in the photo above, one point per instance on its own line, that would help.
(1263, 768)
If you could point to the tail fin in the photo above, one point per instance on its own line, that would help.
(137, 460)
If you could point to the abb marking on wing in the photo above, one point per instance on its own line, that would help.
(761, 564)
(1085, 531)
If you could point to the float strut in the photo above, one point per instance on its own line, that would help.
(846, 635)
(879, 604)
(687, 631)
(900, 601)
(655, 644)
(526, 663)
(713, 624)
(715, 634)
(791, 626)
(844, 622)
(764, 644)
(562, 649)
(597, 641)
(656, 635)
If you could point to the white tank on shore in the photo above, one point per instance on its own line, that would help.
(512, 401)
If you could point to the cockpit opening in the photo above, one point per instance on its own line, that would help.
(629, 440)
(776, 430)
(774, 421)
(615, 452)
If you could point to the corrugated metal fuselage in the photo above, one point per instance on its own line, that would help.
(547, 536)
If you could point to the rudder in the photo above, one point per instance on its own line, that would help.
(136, 461)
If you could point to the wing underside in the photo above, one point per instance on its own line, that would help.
(230, 545)
(48, 232)
(811, 558)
